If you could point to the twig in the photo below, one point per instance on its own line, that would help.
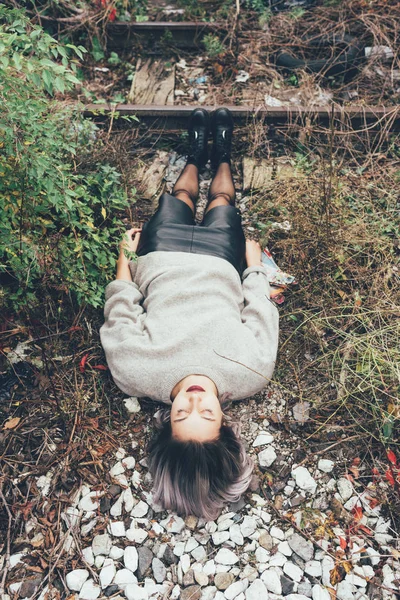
(8, 550)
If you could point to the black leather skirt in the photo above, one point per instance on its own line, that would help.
(172, 229)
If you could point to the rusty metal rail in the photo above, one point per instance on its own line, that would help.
(123, 35)
(175, 117)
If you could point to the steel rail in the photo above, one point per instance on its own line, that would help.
(121, 34)
(175, 117)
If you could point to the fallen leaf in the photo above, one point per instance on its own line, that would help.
(335, 576)
(11, 423)
(343, 543)
(347, 566)
(389, 477)
(392, 457)
(83, 362)
(100, 367)
(358, 513)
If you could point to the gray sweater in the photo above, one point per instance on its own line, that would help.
(189, 314)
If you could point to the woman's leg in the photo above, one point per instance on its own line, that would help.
(222, 189)
(186, 187)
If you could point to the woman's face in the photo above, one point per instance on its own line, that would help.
(196, 412)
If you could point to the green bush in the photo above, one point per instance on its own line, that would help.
(57, 225)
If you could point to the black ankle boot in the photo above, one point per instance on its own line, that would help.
(199, 128)
(222, 129)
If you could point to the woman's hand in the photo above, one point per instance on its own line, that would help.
(129, 244)
(253, 253)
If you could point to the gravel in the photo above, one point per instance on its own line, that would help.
(253, 551)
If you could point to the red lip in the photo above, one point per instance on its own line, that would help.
(195, 388)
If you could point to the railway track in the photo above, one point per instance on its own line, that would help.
(175, 117)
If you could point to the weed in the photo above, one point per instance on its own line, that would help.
(213, 45)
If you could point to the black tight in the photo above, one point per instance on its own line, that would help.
(222, 189)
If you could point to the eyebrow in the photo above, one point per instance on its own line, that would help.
(206, 418)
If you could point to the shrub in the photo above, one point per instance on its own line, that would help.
(57, 225)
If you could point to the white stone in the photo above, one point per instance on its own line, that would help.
(179, 548)
(285, 548)
(99, 561)
(116, 553)
(262, 555)
(303, 480)
(320, 593)
(135, 592)
(355, 579)
(90, 501)
(209, 567)
(272, 581)
(296, 597)
(136, 535)
(263, 439)
(121, 480)
(140, 510)
(345, 591)
(352, 503)
(175, 592)
(136, 480)
(325, 465)
(345, 488)
(128, 499)
(87, 528)
(277, 533)
(201, 578)
(236, 535)
(101, 544)
(277, 560)
(117, 469)
(226, 557)
(124, 577)
(16, 558)
(120, 453)
(236, 588)
(199, 554)
(75, 579)
(132, 405)
(14, 587)
(116, 509)
(327, 565)
(250, 573)
(266, 457)
(107, 573)
(173, 524)
(313, 568)
(117, 528)
(90, 590)
(256, 591)
(87, 555)
(248, 526)
(191, 544)
(219, 537)
(128, 462)
(131, 558)
(208, 593)
(293, 571)
(185, 563)
(302, 547)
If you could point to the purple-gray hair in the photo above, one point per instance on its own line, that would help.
(198, 478)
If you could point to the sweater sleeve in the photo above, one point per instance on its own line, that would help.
(124, 320)
(259, 313)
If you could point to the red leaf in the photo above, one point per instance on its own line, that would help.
(100, 367)
(343, 543)
(83, 362)
(392, 457)
(356, 461)
(365, 529)
(358, 513)
(389, 477)
(112, 15)
(75, 328)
